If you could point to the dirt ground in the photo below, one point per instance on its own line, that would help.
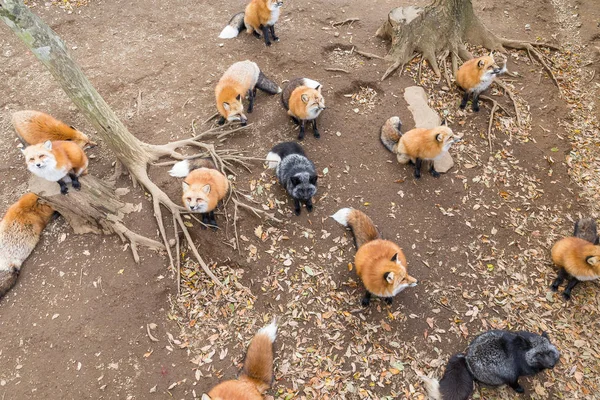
(76, 324)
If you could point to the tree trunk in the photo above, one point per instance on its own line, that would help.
(442, 29)
(47, 46)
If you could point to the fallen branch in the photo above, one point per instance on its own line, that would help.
(512, 98)
(346, 21)
(368, 55)
(337, 70)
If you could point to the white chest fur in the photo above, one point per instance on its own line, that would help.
(274, 16)
(48, 173)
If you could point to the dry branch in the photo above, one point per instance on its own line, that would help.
(346, 21)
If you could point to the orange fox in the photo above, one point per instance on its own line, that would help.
(303, 100)
(257, 374)
(203, 187)
(19, 233)
(53, 161)
(241, 79)
(475, 76)
(577, 260)
(35, 127)
(260, 16)
(417, 144)
(380, 264)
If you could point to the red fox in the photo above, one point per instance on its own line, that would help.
(303, 101)
(35, 127)
(417, 144)
(380, 264)
(19, 233)
(241, 79)
(53, 161)
(203, 187)
(260, 16)
(577, 260)
(256, 375)
(475, 76)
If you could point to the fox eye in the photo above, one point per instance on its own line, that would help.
(42, 157)
(31, 160)
(189, 199)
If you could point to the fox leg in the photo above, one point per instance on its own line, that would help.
(221, 120)
(212, 220)
(297, 206)
(309, 205)
(315, 129)
(265, 31)
(204, 221)
(517, 386)
(251, 94)
(572, 283)
(388, 300)
(63, 187)
(296, 120)
(366, 300)
(475, 102)
(433, 172)
(75, 181)
(272, 29)
(465, 98)
(418, 163)
(562, 274)
(301, 134)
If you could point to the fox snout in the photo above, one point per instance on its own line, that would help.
(279, 3)
(39, 165)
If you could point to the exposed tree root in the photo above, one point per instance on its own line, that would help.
(495, 106)
(442, 28)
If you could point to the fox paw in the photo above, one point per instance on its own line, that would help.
(275, 38)
(64, 190)
(435, 174)
(566, 296)
(462, 106)
(76, 185)
(317, 134)
(365, 302)
(389, 300)
(554, 287)
(309, 207)
(476, 108)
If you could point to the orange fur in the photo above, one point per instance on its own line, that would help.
(69, 157)
(233, 87)
(35, 127)
(257, 14)
(204, 186)
(363, 228)
(302, 100)
(374, 259)
(578, 257)
(27, 211)
(256, 375)
(425, 144)
(470, 74)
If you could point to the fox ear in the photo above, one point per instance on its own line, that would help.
(545, 335)
(439, 137)
(304, 98)
(522, 342)
(239, 97)
(480, 63)
(394, 257)
(389, 277)
(206, 189)
(444, 122)
(318, 88)
(185, 186)
(72, 127)
(226, 106)
(313, 179)
(22, 149)
(206, 397)
(295, 180)
(593, 260)
(48, 145)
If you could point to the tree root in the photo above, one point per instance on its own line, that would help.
(495, 106)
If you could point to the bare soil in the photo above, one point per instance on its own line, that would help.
(75, 326)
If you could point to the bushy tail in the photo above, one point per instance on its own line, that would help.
(586, 229)
(183, 168)
(456, 384)
(273, 160)
(235, 26)
(391, 133)
(362, 226)
(258, 364)
(8, 279)
(267, 85)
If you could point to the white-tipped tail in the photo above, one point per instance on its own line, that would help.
(311, 84)
(269, 330)
(279, 90)
(342, 216)
(273, 160)
(181, 169)
(432, 386)
(229, 32)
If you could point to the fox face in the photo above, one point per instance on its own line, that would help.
(39, 157)
(235, 110)
(313, 101)
(196, 200)
(273, 4)
(303, 186)
(446, 137)
(396, 276)
(488, 67)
